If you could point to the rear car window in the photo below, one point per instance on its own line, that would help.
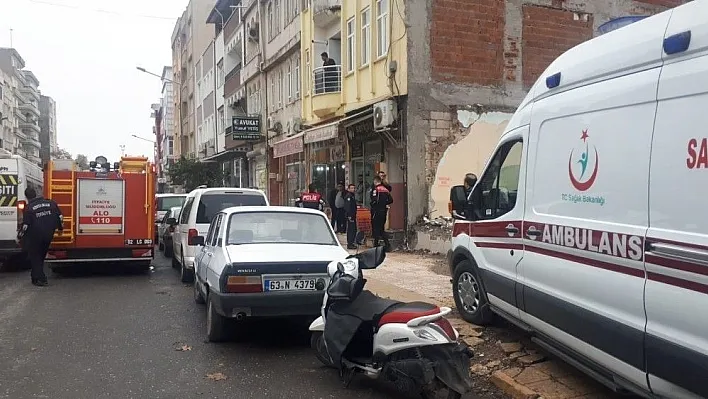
(165, 203)
(211, 204)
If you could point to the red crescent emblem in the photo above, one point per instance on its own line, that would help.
(582, 186)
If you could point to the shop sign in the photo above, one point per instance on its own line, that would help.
(246, 127)
(336, 153)
(287, 147)
(322, 133)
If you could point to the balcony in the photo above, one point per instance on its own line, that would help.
(326, 90)
(29, 91)
(31, 143)
(232, 81)
(326, 11)
(29, 125)
(29, 107)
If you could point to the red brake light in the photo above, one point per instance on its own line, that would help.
(192, 233)
(445, 325)
(241, 284)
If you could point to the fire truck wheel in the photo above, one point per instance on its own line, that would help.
(143, 267)
(186, 275)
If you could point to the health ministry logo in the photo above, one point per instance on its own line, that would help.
(583, 168)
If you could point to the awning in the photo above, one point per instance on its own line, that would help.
(289, 146)
(215, 157)
(324, 132)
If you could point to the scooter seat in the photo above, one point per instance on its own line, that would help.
(405, 312)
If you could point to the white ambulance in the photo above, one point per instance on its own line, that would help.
(16, 174)
(589, 225)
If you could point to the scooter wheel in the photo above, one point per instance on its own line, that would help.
(318, 345)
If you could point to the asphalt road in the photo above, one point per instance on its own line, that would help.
(111, 334)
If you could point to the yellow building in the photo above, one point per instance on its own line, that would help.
(344, 138)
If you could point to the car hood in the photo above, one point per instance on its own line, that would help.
(246, 253)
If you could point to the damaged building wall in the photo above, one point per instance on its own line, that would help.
(483, 56)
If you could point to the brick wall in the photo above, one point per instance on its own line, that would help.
(466, 41)
(546, 34)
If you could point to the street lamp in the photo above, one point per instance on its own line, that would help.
(143, 138)
(143, 70)
(179, 98)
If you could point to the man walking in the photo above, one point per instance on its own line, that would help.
(380, 200)
(350, 212)
(40, 220)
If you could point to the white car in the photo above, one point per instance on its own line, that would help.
(263, 262)
(165, 231)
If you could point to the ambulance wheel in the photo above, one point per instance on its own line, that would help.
(470, 296)
(185, 275)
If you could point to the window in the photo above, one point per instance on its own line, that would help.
(220, 123)
(277, 16)
(281, 87)
(297, 76)
(271, 22)
(381, 28)
(165, 203)
(308, 72)
(212, 231)
(186, 210)
(496, 192)
(279, 227)
(212, 203)
(290, 82)
(365, 36)
(272, 93)
(171, 147)
(350, 44)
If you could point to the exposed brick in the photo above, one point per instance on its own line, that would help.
(547, 33)
(663, 3)
(466, 41)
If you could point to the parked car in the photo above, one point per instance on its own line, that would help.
(263, 262)
(200, 207)
(165, 231)
(163, 203)
(588, 226)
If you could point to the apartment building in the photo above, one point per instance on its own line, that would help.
(48, 127)
(165, 134)
(8, 141)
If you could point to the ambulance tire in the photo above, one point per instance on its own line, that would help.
(185, 275)
(466, 276)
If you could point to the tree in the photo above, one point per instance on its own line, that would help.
(190, 173)
(61, 153)
(82, 161)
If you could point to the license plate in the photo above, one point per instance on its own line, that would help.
(304, 284)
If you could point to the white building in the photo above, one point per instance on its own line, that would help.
(167, 106)
(205, 79)
(48, 127)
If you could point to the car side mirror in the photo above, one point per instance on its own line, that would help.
(196, 240)
(171, 221)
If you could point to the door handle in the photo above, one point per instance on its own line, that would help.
(532, 232)
(511, 229)
(209, 254)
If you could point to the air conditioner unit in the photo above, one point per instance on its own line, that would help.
(296, 124)
(385, 114)
(253, 32)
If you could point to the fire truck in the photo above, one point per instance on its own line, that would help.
(108, 215)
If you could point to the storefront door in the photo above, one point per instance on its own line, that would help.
(365, 156)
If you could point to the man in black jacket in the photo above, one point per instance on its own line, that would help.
(380, 198)
(350, 212)
(40, 220)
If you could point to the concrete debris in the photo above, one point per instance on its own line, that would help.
(531, 359)
(511, 347)
(479, 369)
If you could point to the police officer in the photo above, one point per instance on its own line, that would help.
(350, 213)
(40, 219)
(380, 200)
(310, 199)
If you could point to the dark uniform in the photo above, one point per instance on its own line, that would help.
(380, 200)
(40, 220)
(310, 200)
(350, 213)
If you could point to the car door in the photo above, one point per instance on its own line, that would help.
(163, 227)
(203, 255)
(214, 259)
(180, 237)
(495, 234)
(676, 294)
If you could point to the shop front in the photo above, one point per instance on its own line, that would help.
(249, 167)
(326, 151)
(257, 167)
(289, 156)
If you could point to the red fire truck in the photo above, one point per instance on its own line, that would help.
(108, 215)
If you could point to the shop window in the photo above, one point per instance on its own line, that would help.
(295, 181)
(365, 157)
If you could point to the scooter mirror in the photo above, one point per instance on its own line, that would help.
(332, 268)
(340, 267)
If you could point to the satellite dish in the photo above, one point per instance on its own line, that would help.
(101, 160)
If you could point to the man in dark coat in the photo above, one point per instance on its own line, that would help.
(350, 213)
(380, 198)
(41, 218)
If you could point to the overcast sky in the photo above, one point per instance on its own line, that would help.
(84, 53)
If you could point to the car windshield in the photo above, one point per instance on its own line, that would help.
(279, 227)
(211, 204)
(165, 203)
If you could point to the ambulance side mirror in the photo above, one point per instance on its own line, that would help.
(458, 198)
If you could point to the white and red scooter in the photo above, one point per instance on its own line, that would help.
(409, 344)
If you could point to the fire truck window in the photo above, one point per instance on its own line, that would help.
(186, 210)
(211, 204)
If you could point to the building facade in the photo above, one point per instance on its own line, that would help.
(165, 134)
(48, 127)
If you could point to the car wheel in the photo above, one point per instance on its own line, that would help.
(317, 344)
(185, 275)
(175, 263)
(470, 297)
(198, 297)
(216, 323)
(169, 252)
(161, 246)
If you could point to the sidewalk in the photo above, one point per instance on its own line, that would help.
(506, 364)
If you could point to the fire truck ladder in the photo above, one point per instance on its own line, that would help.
(63, 191)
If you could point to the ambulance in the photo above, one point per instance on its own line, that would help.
(16, 174)
(588, 227)
(108, 211)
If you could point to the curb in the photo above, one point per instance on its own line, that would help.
(511, 387)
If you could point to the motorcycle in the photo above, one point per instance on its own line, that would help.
(411, 345)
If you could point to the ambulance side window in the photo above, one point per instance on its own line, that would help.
(495, 194)
(186, 210)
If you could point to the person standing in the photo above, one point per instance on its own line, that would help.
(350, 213)
(341, 214)
(382, 175)
(40, 220)
(310, 199)
(380, 199)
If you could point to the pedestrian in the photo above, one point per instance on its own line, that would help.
(350, 212)
(310, 199)
(40, 220)
(341, 214)
(380, 199)
(330, 73)
(382, 175)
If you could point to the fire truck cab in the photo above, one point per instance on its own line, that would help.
(108, 215)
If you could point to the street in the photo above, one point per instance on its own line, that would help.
(114, 334)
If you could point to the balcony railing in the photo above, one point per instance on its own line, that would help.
(327, 79)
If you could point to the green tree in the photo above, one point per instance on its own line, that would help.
(61, 153)
(82, 161)
(190, 173)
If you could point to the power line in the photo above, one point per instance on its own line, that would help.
(99, 10)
